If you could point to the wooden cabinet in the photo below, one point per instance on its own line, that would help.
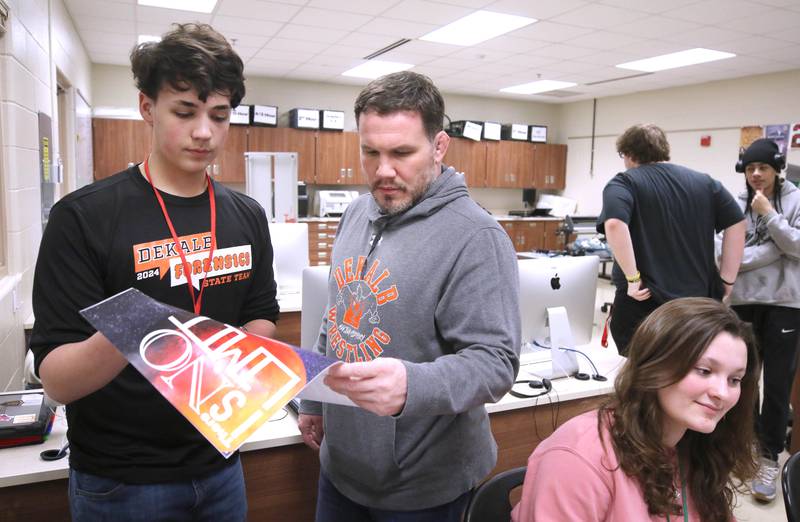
(509, 164)
(320, 240)
(550, 166)
(284, 139)
(116, 143)
(229, 167)
(338, 159)
(469, 157)
(528, 234)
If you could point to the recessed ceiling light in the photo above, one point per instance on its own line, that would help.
(679, 59)
(198, 6)
(538, 87)
(477, 27)
(148, 38)
(376, 68)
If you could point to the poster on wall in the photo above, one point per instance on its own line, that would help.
(795, 142)
(750, 134)
(779, 134)
(227, 382)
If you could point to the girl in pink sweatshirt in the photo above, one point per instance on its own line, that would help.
(676, 439)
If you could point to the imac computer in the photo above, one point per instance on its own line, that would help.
(556, 301)
(315, 299)
(290, 255)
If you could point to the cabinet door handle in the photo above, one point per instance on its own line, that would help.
(349, 173)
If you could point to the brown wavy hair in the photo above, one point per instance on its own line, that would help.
(190, 56)
(664, 348)
(644, 143)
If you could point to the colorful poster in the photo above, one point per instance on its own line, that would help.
(750, 134)
(779, 134)
(226, 382)
(796, 136)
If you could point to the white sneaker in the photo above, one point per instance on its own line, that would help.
(765, 485)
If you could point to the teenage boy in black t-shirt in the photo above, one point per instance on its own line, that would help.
(133, 455)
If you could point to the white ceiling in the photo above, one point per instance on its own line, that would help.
(574, 40)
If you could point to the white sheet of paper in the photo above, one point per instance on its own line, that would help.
(317, 390)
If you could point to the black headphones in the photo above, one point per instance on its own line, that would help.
(780, 161)
(533, 383)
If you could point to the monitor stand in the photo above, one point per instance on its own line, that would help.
(564, 363)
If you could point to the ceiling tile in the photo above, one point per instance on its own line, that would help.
(657, 27)
(93, 23)
(330, 19)
(648, 6)
(313, 34)
(605, 40)
(609, 58)
(599, 16)
(344, 51)
(774, 19)
(110, 59)
(225, 24)
(708, 37)
(753, 44)
(369, 7)
(483, 55)
(715, 11)
(246, 40)
(258, 9)
(551, 32)
(399, 28)
(158, 15)
(368, 42)
(283, 55)
(565, 52)
(510, 44)
(434, 13)
(790, 35)
(431, 48)
(526, 61)
(295, 45)
(540, 9)
(101, 8)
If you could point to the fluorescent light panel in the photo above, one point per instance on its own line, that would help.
(197, 6)
(674, 60)
(538, 87)
(148, 38)
(477, 27)
(376, 68)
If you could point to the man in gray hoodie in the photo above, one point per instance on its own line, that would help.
(423, 309)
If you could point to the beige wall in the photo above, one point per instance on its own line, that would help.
(40, 37)
(718, 109)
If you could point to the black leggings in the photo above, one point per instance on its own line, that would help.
(776, 329)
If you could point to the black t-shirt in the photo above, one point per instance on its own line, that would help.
(673, 213)
(110, 236)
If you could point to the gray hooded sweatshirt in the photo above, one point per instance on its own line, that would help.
(770, 270)
(437, 287)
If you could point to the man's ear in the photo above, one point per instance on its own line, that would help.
(440, 144)
(146, 107)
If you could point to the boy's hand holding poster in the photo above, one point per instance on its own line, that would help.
(224, 381)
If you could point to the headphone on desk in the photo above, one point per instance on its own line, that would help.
(535, 384)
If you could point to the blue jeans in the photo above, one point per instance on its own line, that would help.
(219, 496)
(332, 506)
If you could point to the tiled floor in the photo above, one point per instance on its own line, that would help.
(747, 509)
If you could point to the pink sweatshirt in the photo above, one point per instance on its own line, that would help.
(572, 477)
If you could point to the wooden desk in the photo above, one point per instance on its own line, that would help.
(282, 481)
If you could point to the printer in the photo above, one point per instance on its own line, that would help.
(331, 203)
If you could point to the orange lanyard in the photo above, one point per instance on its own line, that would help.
(187, 269)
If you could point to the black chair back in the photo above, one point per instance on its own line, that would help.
(490, 502)
(791, 488)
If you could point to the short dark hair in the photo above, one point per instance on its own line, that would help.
(404, 91)
(644, 143)
(190, 56)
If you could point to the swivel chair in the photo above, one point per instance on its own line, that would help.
(791, 488)
(490, 502)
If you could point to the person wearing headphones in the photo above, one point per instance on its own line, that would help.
(675, 440)
(423, 310)
(766, 293)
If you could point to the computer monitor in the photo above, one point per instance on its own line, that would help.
(289, 255)
(529, 197)
(315, 299)
(550, 282)
(557, 300)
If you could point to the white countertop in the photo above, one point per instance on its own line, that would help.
(22, 465)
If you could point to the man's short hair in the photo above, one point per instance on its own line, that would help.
(644, 143)
(404, 91)
(190, 56)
